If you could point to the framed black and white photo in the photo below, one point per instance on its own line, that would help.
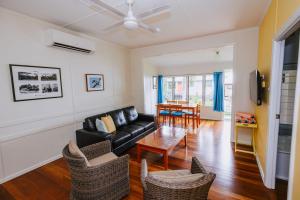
(154, 82)
(94, 82)
(35, 82)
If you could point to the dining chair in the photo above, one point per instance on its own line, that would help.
(172, 101)
(192, 114)
(183, 102)
(176, 112)
(164, 112)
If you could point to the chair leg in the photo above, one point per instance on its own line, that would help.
(181, 121)
(193, 121)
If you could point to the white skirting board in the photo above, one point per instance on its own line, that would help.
(261, 171)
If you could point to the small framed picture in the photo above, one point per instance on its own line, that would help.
(35, 82)
(94, 82)
(154, 80)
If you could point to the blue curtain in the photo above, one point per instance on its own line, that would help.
(218, 92)
(160, 95)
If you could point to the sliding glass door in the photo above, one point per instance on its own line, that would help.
(228, 81)
(196, 89)
(209, 90)
(180, 88)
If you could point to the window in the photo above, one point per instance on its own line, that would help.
(196, 89)
(168, 88)
(209, 90)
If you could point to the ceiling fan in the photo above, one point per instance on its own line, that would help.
(130, 21)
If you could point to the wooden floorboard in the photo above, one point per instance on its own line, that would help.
(237, 173)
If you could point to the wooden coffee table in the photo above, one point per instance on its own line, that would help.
(161, 141)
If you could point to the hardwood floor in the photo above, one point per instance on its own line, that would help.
(237, 173)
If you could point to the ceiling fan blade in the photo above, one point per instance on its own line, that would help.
(113, 26)
(149, 28)
(107, 7)
(154, 11)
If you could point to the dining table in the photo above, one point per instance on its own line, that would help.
(191, 107)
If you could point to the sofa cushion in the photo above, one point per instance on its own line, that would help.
(131, 114)
(90, 125)
(103, 159)
(133, 129)
(176, 176)
(146, 125)
(119, 118)
(120, 137)
(75, 151)
(109, 123)
(171, 173)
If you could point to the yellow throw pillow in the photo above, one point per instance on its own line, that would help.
(109, 123)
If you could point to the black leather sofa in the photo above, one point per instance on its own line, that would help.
(130, 125)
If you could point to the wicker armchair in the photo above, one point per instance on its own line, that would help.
(109, 180)
(177, 184)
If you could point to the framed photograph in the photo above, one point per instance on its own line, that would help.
(154, 80)
(35, 82)
(94, 82)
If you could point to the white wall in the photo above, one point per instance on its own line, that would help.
(196, 69)
(245, 59)
(34, 132)
(150, 93)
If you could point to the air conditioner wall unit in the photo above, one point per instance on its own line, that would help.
(59, 39)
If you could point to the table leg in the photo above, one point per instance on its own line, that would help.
(193, 118)
(235, 138)
(139, 151)
(253, 141)
(166, 160)
(193, 123)
(185, 139)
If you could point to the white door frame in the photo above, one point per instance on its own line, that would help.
(277, 63)
(274, 109)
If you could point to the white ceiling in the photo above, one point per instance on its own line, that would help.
(203, 56)
(187, 18)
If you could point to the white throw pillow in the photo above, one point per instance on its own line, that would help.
(100, 125)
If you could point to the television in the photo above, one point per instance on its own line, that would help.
(256, 89)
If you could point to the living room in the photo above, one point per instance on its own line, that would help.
(66, 64)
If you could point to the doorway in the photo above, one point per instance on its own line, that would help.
(284, 101)
(287, 101)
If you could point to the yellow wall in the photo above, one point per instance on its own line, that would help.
(277, 14)
(266, 34)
